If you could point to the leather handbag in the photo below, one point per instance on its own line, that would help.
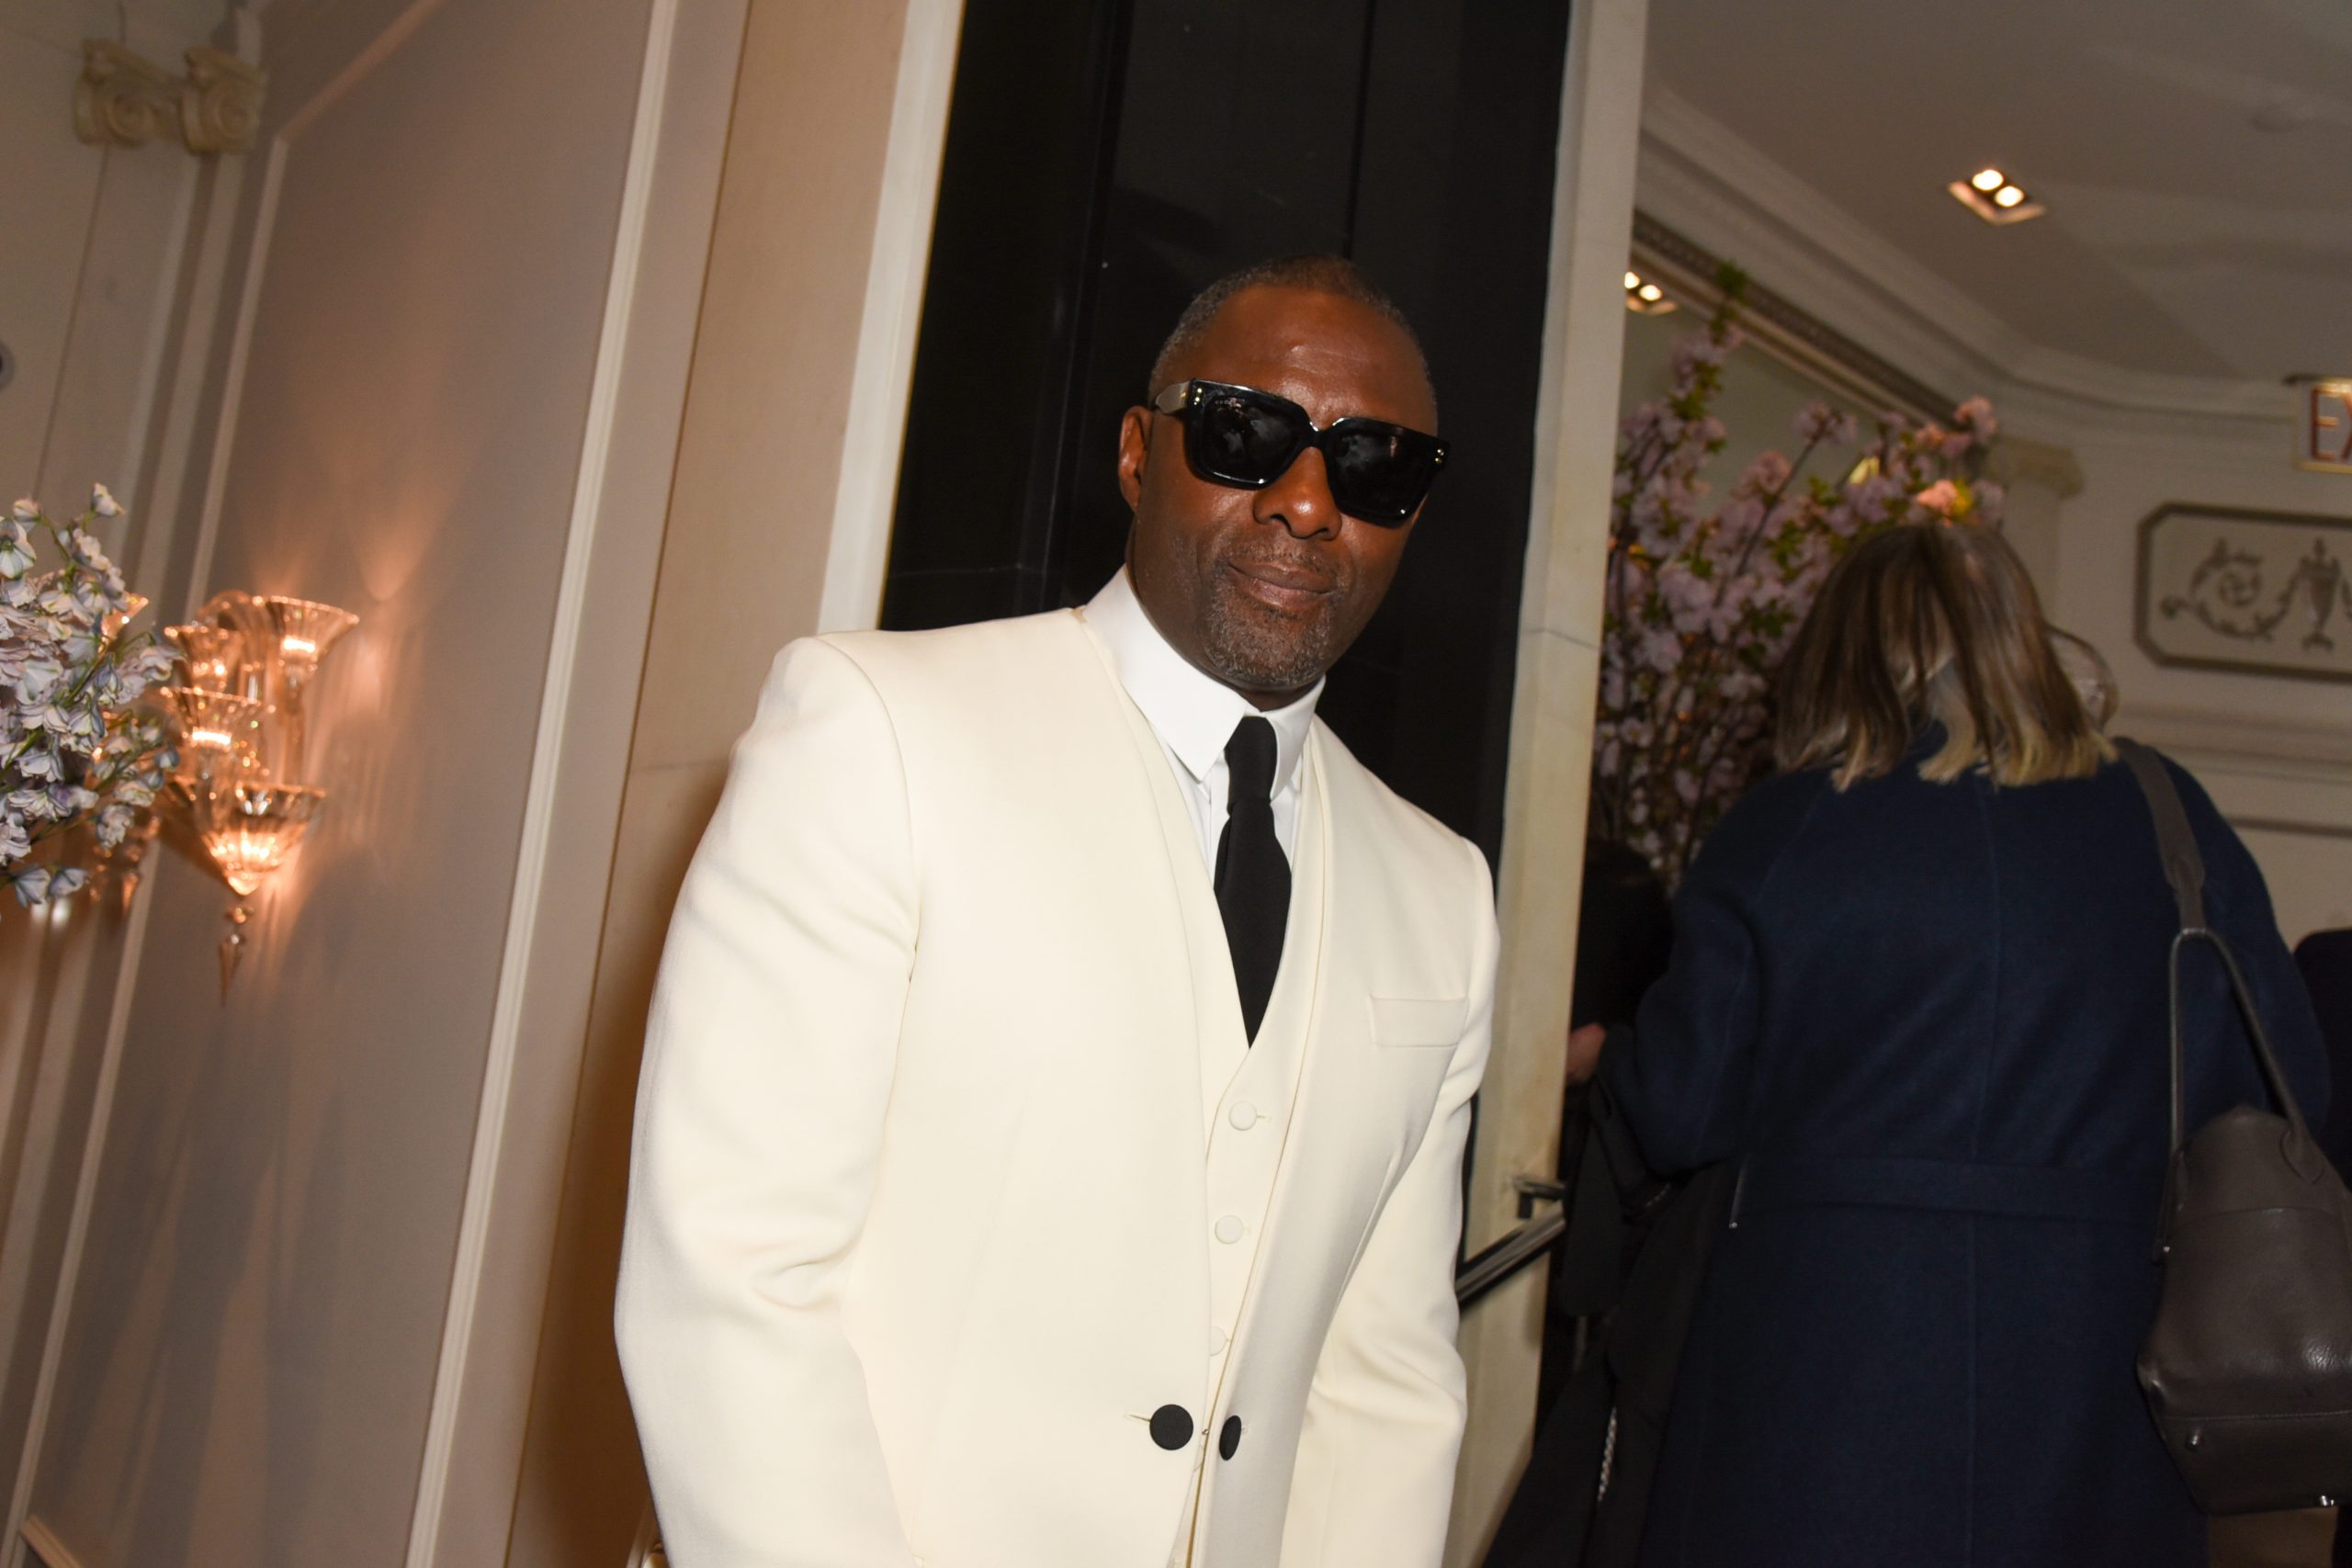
(2248, 1366)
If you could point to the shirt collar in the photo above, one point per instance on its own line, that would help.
(1191, 712)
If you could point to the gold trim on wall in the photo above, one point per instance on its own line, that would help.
(123, 100)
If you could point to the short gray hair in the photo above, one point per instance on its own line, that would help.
(1332, 274)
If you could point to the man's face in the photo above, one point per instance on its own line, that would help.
(1264, 588)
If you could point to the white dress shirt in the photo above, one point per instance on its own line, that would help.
(1194, 714)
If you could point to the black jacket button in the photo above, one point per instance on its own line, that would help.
(1171, 1427)
(1228, 1436)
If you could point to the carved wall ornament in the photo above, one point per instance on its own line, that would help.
(123, 100)
(2267, 593)
(220, 103)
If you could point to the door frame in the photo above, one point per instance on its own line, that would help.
(1551, 737)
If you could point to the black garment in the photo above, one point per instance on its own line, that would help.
(1925, 1024)
(1252, 872)
(2325, 960)
(1624, 934)
(1609, 1420)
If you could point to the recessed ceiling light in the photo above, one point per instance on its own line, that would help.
(1995, 197)
(1644, 298)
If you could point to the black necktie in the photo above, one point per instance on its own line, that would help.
(1252, 872)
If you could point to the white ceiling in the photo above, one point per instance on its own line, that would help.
(2183, 239)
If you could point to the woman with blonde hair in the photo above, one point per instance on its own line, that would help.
(1917, 999)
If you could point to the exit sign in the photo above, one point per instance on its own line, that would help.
(2323, 427)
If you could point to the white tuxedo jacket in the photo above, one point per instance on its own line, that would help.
(919, 1231)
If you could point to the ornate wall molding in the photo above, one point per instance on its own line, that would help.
(2260, 593)
(124, 100)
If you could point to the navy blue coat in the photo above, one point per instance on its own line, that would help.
(2325, 960)
(1930, 1021)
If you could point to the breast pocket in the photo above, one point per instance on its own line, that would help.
(1417, 1020)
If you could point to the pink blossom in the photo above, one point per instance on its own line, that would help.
(1822, 425)
(1707, 352)
(1738, 522)
(1942, 498)
(1661, 650)
(1976, 415)
(1768, 475)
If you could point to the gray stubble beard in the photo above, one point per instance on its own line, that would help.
(1253, 650)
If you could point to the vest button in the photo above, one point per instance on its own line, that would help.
(1228, 1436)
(1171, 1427)
(1243, 1116)
(1229, 1229)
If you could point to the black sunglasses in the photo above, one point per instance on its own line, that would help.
(1240, 437)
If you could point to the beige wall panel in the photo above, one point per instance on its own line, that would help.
(252, 1358)
(49, 186)
(121, 316)
(751, 526)
(504, 1291)
(759, 458)
(583, 1490)
(52, 1038)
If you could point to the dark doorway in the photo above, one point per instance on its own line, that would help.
(1106, 158)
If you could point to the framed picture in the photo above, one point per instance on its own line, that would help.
(2263, 592)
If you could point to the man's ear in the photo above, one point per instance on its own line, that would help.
(1134, 453)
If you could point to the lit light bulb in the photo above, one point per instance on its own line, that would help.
(2008, 195)
(1651, 292)
(1632, 280)
(1989, 179)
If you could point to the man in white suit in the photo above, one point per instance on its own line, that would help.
(1050, 1148)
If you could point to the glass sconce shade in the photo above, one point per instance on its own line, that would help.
(220, 734)
(250, 830)
(212, 655)
(305, 629)
(241, 728)
(250, 654)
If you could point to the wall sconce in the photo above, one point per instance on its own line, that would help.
(249, 662)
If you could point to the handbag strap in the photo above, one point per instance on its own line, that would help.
(2175, 840)
(2184, 870)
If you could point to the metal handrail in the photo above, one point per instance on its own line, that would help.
(1491, 1265)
